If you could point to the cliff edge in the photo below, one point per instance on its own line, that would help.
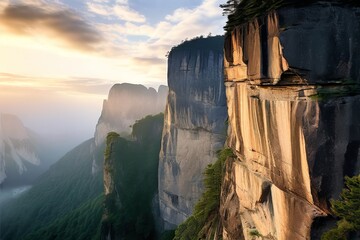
(194, 125)
(292, 85)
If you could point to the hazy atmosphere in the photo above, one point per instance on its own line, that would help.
(179, 120)
(59, 58)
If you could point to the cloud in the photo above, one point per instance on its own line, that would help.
(54, 22)
(149, 61)
(88, 85)
(98, 9)
(145, 45)
(123, 12)
(68, 85)
(122, 1)
(120, 10)
(101, 1)
(3, 4)
(125, 51)
(179, 15)
(189, 23)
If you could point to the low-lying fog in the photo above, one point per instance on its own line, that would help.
(11, 193)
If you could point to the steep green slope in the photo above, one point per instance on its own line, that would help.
(67, 202)
(131, 177)
(66, 186)
(80, 224)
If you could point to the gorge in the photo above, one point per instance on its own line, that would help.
(270, 112)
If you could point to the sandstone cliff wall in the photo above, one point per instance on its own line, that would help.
(292, 95)
(194, 125)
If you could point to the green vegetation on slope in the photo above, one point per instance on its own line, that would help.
(110, 138)
(133, 167)
(65, 187)
(205, 218)
(347, 209)
(80, 224)
(348, 88)
(198, 44)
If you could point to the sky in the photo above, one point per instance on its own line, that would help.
(59, 58)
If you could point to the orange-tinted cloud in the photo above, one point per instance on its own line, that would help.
(19, 83)
(56, 22)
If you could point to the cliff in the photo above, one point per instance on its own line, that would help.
(125, 104)
(194, 125)
(130, 181)
(292, 85)
(18, 154)
(67, 201)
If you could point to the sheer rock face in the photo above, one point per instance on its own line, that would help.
(17, 150)
(126, 104)
(317, 44)
(194, 125)
(292, 94)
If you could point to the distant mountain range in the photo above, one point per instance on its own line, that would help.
(66, 202)
(126, 104)
(19, 156)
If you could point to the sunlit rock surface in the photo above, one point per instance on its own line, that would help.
(126, 104)
(314, 44)
(292, 94)
(194, 125)
(17, 150)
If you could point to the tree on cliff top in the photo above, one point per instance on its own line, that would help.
(348, 209)
(229, 7)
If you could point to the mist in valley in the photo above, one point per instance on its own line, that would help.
(52, 126)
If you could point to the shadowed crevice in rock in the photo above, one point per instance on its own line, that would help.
(351, 156)
(321, 225)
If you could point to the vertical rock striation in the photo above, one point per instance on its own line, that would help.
(194, 125)
(292, 85)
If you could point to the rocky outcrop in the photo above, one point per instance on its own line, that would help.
(17, 150)
(126, 104)
(130, 181)
(194, 125)
(292, 85)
